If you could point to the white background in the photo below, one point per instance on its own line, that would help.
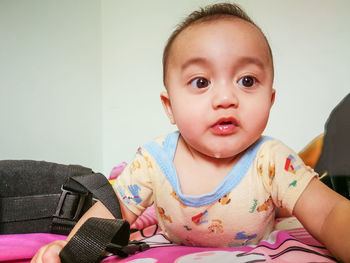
(80, 79)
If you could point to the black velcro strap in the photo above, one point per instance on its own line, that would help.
(101, 189)
(93, 237)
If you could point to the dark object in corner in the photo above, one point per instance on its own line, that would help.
(335, 156)
(45, 197)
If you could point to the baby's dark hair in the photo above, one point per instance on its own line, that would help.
(208, 13)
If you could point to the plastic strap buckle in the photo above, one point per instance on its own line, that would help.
(81, 202)
(131, 248)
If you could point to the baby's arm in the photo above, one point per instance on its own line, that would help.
(49, 253)
(326, 215)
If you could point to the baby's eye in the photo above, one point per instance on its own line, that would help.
(247, 81)
(200, 83)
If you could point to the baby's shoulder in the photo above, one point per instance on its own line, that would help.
(275, 151)
(273, 146)
(164, 142)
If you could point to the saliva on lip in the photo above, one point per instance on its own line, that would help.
(217, 155)
(223, 127)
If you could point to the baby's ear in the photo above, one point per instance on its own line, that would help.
(164, 96)
(273, 97)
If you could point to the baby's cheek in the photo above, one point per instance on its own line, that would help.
(258, 118)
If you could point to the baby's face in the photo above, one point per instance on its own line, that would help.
(219, 82)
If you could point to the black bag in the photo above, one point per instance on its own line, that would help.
(335, 155)
(44, 197)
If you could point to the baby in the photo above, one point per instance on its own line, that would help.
(217, 181)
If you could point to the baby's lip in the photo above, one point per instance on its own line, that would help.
(226, 121)
(225, 126)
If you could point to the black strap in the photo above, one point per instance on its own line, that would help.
(22, 208)
(94, 238)
(100, 187)
(80, 188)
(98, 236)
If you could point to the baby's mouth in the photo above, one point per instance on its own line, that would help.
(225, 123)
(225, 126)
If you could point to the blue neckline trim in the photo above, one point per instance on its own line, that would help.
(164, 155)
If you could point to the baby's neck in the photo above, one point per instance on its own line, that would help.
(198, 173)
(195, 156)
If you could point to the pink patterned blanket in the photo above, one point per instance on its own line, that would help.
(293, 244)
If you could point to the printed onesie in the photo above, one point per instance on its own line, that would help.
(239, 212)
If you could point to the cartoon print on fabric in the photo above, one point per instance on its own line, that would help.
(216, 226)
(244, 237)
(188, 228)
(134, 166)
(260, 170)
(173, 194)
(294, 183)
(271, 172)
(260, 167)
(225, 199)
(134, 190)
(162, 214)
(252, 209)
(289, 165)
(149, 163)
(199, 219)
(265, 206)
(125, 199)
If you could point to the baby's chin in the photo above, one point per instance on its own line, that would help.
(227, 151)
(217, 150)
(222, 154)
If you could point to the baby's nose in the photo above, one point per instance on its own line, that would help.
(224, 97)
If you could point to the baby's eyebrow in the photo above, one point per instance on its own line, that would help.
(251, 60)
(192, 61)
(241, 61)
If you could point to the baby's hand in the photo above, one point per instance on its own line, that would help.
(49, 253)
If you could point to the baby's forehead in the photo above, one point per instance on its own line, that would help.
(245, 33)
(235, 25)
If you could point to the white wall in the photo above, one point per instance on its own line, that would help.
(80, 80)
(50, 81)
